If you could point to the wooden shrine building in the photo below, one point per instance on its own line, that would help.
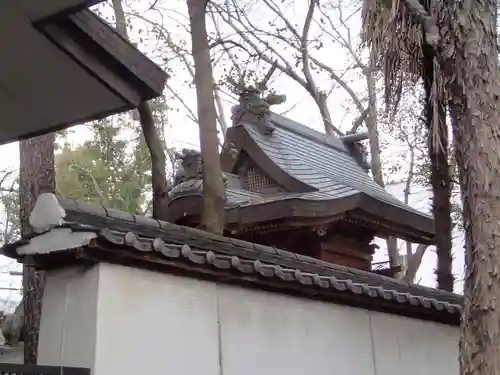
(291, 187)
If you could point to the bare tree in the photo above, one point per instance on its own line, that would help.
(180, 53)
(407, 128)
(255, 41)
(407, 59)
(153, 141)
(213, 213)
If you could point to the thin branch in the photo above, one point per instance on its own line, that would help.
(306, 69)
(284, 65)
(267, 77)
(289, 70)
(191, 114)
(346, 43)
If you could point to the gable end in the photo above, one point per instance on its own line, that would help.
(254, 178)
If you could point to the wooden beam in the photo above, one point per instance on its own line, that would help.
(313, 221)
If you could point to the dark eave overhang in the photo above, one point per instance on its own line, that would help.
(382, 218)
(74, 68)
(86, 33)
(42, 10)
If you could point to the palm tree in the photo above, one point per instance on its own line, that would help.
(401, 51)
(462, 38)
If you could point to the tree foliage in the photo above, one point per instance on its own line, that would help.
(107, 169)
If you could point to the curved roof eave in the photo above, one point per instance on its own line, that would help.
(244, 142)
(411, 226)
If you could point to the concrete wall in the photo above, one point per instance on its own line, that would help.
(143, 322)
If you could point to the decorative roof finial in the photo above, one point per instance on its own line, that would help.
(190, 165)
(254, 109)
(357, 149)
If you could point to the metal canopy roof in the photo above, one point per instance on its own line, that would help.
(61, 65)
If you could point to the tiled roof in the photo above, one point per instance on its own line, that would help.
(235, 194)
(271, 270)
(247, 262)
(320, 176)
(320, 161)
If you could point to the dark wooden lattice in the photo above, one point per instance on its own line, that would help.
(255, 180)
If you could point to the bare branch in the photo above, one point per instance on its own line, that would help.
(249, 29)
(267, 77)
(191, 114)
(221, 117)
(359, 120)
(414, 263)
(306, 69)
(283, 66)
(337, 36)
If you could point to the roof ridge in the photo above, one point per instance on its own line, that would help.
(308, 132)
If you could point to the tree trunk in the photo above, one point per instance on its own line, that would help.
(372, 128)
(440, 178)
(371, 122)
(213, 214)
(473, 74)
(36, 176)
(158, 162)
(153, 141)
(321, 100)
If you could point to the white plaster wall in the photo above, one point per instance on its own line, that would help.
(151, 323)
(68, 326)
(155, 323)
(262, 332)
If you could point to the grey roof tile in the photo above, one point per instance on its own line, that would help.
(235, 196)
(272, 270)
(319, 161)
